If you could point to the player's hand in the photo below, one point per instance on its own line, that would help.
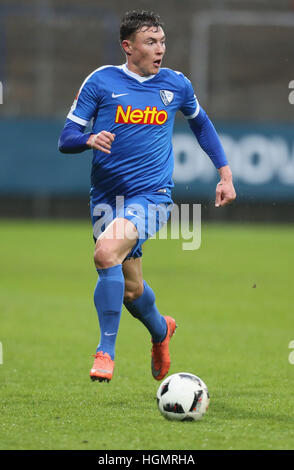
(101, 141)
(225, 192)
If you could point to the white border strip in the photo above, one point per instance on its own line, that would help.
(192, 116)
(76, 119)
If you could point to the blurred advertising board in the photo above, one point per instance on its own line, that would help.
(261, 158)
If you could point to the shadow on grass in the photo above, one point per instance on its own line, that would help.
(225, 411)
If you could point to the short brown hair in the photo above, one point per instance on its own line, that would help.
(134, 20)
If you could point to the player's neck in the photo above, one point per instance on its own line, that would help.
(129, 71)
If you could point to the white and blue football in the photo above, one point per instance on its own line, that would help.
(183, 397)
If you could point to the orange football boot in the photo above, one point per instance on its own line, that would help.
(160, 357)
(103, 366)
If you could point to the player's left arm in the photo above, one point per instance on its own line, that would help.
(225, 191)
(209, 141)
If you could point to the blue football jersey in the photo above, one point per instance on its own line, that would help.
(140, 111)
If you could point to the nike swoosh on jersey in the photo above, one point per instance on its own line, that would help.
(114, 95)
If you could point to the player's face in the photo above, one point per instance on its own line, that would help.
(146, 50)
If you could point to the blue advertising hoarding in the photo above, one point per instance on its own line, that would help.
(261, 158)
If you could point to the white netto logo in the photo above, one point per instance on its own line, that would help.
(114, 95)
(166, 96)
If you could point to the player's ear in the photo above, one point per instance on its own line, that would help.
(127, 46)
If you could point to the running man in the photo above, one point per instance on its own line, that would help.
(131, 108)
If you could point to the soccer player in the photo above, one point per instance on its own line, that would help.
(131, 109)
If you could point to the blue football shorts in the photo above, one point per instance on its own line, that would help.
(148, 212)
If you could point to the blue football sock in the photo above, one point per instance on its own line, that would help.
(145, 310)
(108, 299)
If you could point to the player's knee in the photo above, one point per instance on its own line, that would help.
(132, 292)
(104, 257)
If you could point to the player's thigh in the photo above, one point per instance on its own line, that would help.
(133, 274)
(114, 244)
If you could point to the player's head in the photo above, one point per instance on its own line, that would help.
(143, 41)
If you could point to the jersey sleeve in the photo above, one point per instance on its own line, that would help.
(85, 105)
(190, 106)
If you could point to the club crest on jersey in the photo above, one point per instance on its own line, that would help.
(166, 96)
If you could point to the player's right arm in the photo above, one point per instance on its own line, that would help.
(101, 141)
(73, 140)
(84, 108)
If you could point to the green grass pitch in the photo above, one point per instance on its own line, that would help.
(233, 302)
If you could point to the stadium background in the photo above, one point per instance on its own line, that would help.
(239, 56)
